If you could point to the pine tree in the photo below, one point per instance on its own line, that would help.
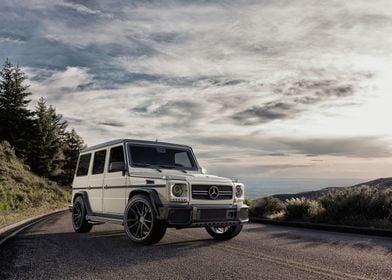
(46, 158)
(15, 117)
(73, 145)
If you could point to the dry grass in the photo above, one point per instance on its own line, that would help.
(22, 193)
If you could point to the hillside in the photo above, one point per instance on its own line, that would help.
(22, 193)
(382, 183)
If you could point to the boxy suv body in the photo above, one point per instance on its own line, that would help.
(149, 186)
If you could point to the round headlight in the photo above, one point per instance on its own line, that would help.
(238, 191)
(178, 190)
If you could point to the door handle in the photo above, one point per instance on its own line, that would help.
(105, 187)
(89, 187)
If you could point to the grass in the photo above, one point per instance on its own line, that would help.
(24, 194)
(356, 206)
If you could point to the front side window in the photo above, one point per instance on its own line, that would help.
(116, 155)
(83, 165)
(99, 162)
(161, 157)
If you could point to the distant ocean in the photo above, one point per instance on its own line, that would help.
(270, 186)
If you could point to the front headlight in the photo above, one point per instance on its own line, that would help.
(179, 192)
(239, 192)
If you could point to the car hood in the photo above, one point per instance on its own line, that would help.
(200, 178)
(191, 177)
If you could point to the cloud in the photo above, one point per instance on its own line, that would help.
(366, 147)
(361, 147)
(268, 112)
(294, 97)
(112, 123)
(82, 9)
(255, 83)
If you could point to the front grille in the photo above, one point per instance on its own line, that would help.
(202, 192)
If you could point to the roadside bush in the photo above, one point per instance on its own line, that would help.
(248, 201)
(358, 206)
(297, 208)
(266, 206)
(316, 211)
(381, 205)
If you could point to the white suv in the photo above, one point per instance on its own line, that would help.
(149, 186)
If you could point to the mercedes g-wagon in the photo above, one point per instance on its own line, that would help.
(149, 186)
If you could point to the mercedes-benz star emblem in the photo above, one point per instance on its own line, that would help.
(213, 192)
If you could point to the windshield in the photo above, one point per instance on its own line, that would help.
(161, 157)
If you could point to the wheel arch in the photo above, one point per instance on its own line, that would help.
(86, 202)
(151, 194)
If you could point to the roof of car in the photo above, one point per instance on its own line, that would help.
(118, 141)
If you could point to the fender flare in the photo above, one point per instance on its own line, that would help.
(86, 201)
(152, 194)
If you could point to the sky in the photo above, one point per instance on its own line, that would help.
(260, 89)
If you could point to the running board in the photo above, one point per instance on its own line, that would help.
(98, 219)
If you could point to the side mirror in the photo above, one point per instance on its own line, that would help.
(117, 166)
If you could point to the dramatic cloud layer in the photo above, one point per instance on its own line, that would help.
(259, 88)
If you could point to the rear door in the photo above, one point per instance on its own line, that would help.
(81, 180)
(114, 197)
(95, 189)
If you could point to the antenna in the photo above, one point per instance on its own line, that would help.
(156, 139)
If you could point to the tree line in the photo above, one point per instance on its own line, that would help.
(40, 136)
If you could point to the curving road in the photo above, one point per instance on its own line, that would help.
(51, 250)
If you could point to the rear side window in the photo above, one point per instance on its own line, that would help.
(116, 155)
(99, 162)
(83, 165)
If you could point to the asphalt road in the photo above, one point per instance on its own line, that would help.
(51, 250)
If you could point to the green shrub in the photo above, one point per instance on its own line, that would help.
(316, 210)
(297, 208)
(381, 205)
(265, 206)
(358, 206)
(248, 201)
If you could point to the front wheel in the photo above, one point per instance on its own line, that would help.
(224, 233)
(140, 221)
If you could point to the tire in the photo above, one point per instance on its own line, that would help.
(140, 222)
(79, 222)
(224, 233)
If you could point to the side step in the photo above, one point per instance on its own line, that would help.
(100, 219)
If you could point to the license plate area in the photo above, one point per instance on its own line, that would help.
(215, 214)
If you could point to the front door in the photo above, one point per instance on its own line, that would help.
(114, 191)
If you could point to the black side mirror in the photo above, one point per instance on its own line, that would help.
(117, 166)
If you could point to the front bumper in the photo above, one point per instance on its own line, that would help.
(203, 215)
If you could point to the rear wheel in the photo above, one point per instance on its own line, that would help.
(140, 221)
(79, 222)
(224, 233)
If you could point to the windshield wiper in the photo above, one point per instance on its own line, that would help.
(167, 166)
(141, 164)
(171, 167)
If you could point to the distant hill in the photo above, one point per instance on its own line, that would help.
(381, 183)
(22, 193)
